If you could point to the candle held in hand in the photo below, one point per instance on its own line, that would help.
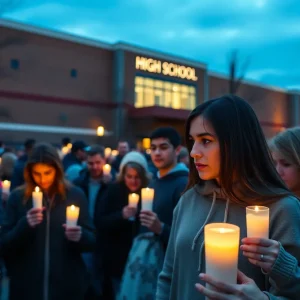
(133, 200)
(257, 221)
(37, 198)
(147, 199)
(72, 215)
(221, 251)
(6, 187)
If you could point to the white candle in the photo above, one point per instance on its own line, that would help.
(37, 198)
(147, 198)
(5, 187)
(72, 215)
(106, 169)
(257, 221)
(133, 200)
(221, 251)
(107, 152)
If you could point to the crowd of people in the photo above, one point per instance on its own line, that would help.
(128, 252)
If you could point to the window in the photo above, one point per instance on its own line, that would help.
(73, 73)
(14, 64)
(150, 92)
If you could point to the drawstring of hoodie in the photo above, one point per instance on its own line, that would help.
(202, 229)
(205, 222)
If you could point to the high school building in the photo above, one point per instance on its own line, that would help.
(54, 84)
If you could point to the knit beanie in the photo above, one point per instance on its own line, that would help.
(135, 157)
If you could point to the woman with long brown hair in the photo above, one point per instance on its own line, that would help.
(42, 254)
(230, 168)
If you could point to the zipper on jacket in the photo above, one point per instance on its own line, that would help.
(47, 252)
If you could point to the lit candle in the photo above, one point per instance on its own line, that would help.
(221, 251)
(107, 152)
(147, 198)
(5, 187)
(257, 221)
(133, 200)
(106, 169)
(37, 198)
(72, 215)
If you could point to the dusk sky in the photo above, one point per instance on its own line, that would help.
(266, 31)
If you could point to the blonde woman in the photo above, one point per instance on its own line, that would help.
(285, 149)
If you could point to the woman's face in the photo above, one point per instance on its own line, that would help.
(132, 179)
(289, 173)
(206, 149)
(43, 175)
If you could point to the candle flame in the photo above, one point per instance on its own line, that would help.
(256, 208)
(133, 195)
(222, 230)
(5, 182)
(72, 207)
(37, 189)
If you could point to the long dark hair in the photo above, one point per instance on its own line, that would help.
(244, 154)
(45, 154)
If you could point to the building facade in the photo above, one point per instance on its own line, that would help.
(54, 85)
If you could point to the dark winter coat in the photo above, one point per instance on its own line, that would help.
(41, 263)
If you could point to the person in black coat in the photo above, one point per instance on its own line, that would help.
(94, 183)
(118, 222)
(42, 254)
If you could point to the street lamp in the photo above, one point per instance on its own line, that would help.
(100, 131)
(146, 143)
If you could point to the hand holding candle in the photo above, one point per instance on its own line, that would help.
(72, 216)
(221, 251)
(261, 252)
(74, 233)
(257, 221)
(147, 199)
(35, 216)
(37, 198)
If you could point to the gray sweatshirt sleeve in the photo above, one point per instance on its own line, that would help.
(165, 277)
(285, 274)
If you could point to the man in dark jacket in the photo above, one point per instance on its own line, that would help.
(18, 176)
(171, 181)
(95, 186)
(143, 265)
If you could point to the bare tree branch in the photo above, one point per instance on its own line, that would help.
(234, 80)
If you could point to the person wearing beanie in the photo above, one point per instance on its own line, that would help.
(119, 222)
(146, 257)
